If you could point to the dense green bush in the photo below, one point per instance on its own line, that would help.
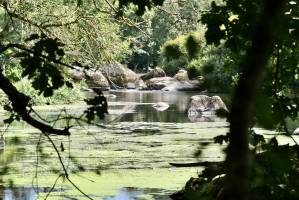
(190, 52)
(172, 66)
(193, 69)
(175, 54)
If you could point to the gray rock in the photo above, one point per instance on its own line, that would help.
(161, 106)
(296, 131)
(159, 83)
(131, 85)
(182, 86)
(181, 75)
(119, 75)
(95, 79)
(203, 105)
(171, 84)
(140, 84)
(154, 73)
(77, 74)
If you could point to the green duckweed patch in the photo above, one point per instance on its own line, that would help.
(125, 154)
(132, 155)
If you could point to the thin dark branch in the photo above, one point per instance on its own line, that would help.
(98, 9)
(60, 24)
(20, 103)
(111, 6)
(24, 48)
(21, 18)
(64, 168)
(53, 186)
(37, 162)
(86, 195)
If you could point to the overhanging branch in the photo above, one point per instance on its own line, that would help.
(20, 103)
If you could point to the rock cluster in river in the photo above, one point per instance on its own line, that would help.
(118, 76)
(93, 78)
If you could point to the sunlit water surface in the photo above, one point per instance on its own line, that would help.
(131, 154)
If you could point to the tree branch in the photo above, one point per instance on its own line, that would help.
(20, 103)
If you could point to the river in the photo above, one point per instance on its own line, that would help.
(125, 160)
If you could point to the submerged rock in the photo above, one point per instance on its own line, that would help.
(161, 106)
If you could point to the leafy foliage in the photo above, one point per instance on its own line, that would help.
(98, 107)
(192, 47)
(274, 167)
(151, 30)
(141, 4)
(37, 64)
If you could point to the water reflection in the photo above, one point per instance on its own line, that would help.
(129, 193)
(139, 106)
(21, 193)
(126, 193)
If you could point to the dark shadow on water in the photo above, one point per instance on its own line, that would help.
(129, 193)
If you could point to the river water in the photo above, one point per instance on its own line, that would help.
(125, 160)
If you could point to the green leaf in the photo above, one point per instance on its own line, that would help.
(98, 107)
(220, 139)
(9, 120)
(32, 37)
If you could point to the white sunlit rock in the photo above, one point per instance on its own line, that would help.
(161, 106)
(296, 131)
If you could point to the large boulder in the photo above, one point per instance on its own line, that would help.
(154, 73)
(77, 74)
(97, 79)
(159, 83)
(94, 78)
(181, 75)
(119, 75)
(203, 105)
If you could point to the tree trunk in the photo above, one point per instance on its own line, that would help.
(243, 103)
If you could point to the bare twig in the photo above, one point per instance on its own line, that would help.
(64, 168)
(98, 9)
(54, 185)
